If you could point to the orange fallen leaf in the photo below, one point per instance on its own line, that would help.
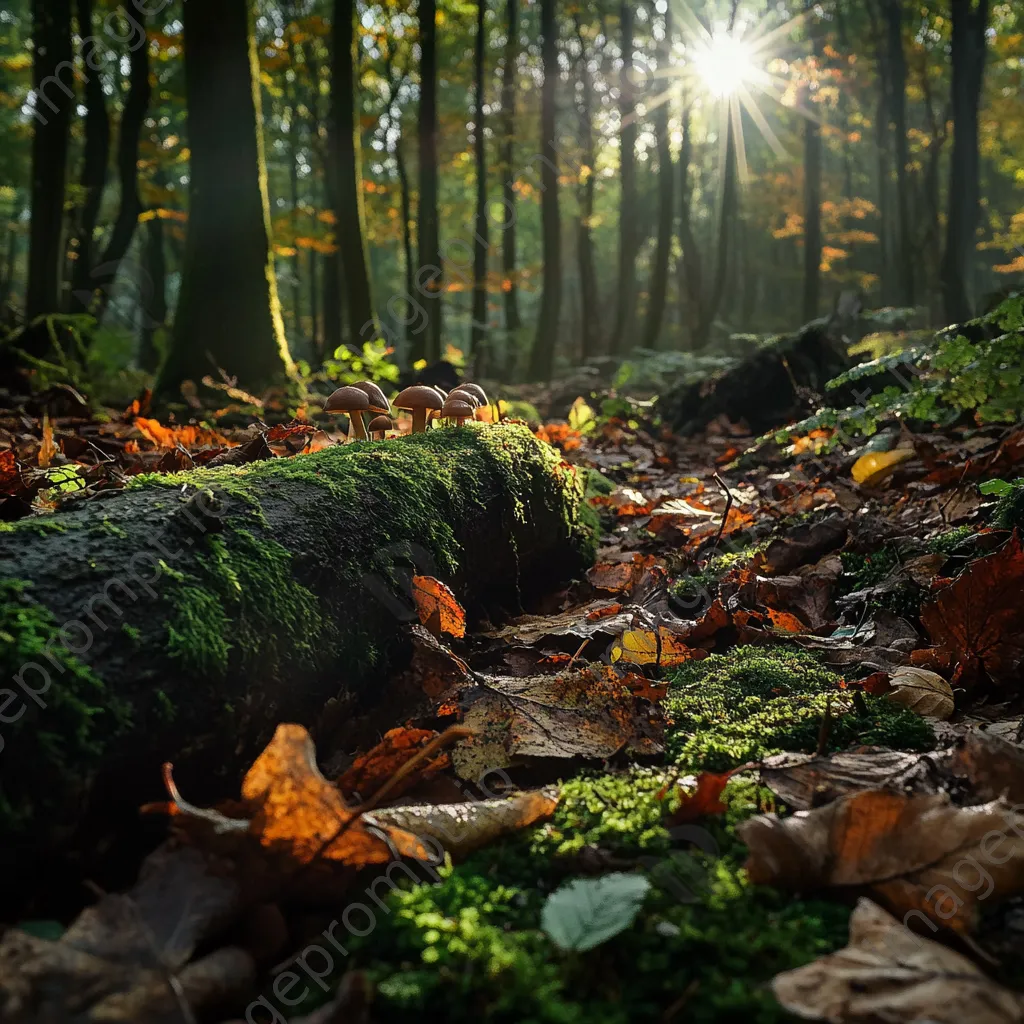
(603, 613)
(786, 622)
(186, 436)
(438, 608)
(705, 799)
(649, 647)
(618, 577)
(371, 770)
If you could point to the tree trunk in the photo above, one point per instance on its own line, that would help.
(229, 315)
(95, 157)
(7, 277)
(53, 83)
(429, 278)
(293, 181)
(345, 137)
(478, 327)
(727, 216)
(968, 58)
(590, 301)
(692, 285)
(104, 273)
(508, 112)
(893, 10)
(154, 283)
(666, 182)
(409, 258)
(215, 614)
(812, 199)
(542, 357)
(627, 176)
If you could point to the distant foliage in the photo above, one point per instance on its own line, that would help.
(975, 368)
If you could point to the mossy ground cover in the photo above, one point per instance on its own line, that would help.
(470, 947)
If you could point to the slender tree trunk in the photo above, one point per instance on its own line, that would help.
(542, 358)
(627, 176)
(155, 284)
(132, 118)
(898, 117)
(315, 332)
(727, 216)
(345, 136)
(508, 114)
(293, 181)
(53, 83)
(968, 57)
(478, 327)
(590, 302)
(229, 315)
(429, 279)
(812, 199)
(96, 155)
(409, 259)
(691, 285)
(7, 277)
(666, 183)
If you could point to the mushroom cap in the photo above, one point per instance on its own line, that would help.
(453, 407)
(378, 400)
(347, 399)
(419, 396)
(475, 390)
(380, 423)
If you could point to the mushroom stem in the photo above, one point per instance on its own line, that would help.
(355, 426)
(419, 421)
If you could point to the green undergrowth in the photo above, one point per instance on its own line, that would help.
(469, 946)
(755, 701)
(58, 716)
(1009, 512)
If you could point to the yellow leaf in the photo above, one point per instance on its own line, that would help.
(871, 469)
(645, 647)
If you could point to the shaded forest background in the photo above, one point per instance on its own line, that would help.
(228, 187)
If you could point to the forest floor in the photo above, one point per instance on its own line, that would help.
(764, 760)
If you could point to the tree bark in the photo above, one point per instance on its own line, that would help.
(104, 274)
(692, 286)
(508, 113)
(345, 137)
(96, 154)
(229, 314)
(968, 58)
(154, 282)
(481, 246)
(627, 176)
(293, 182)
(53, 83)
(224, 605)
(812, 200)
(666, 183)
(893, 10)
(542, 357)
(429, 278)
(590, 301)
(407, 250)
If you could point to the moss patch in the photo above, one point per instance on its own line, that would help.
(57, 735)
(1009, 513)
(758, 701)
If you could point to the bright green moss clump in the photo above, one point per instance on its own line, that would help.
(1009, 514)
(758, 701)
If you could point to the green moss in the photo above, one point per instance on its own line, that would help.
(41, 526)
(1009, 512)
(757, 701)
(701, 585)
(959, 540)
(470, 947)
(60, 734)
(596, 484)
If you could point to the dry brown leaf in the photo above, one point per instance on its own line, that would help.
(919, 690)
(438, 608)
(889, 975)
(994, 766)
(463, 827)
(297, 812)
(978, 620)
(803, 781)
(371, 770)
(921, 855)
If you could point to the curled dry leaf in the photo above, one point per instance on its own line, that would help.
(889, 974)
(706, 798)
(994, 766)
(463, 827)
(921, 691)
(803, 781)
(921, 855)
(653, 647)
(437, 606)
(978, 620)
(621, 577)
(297, 812)
(371, 770)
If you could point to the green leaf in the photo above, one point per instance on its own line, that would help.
(589, 911)
(996, 487)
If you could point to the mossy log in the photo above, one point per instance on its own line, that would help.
(182, 618)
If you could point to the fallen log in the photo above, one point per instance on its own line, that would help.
(182, 618)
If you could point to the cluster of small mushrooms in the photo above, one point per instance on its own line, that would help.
(365, 399)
